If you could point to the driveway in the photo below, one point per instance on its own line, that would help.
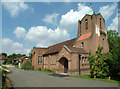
(21, 78)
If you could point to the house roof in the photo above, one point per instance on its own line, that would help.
(5, 58)
(85, 36)
(20, 58)
(74, 49)
(56, 48)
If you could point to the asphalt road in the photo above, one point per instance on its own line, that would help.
(21, 78)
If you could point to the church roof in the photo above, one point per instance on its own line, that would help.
(85, 36)
(74, 49)
(57, 47)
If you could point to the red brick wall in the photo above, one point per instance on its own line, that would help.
(35, 57)
(95, 40)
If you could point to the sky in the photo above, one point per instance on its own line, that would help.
(41, 24)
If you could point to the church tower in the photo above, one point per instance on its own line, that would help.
(92, 33)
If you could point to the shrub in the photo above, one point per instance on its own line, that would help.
(15, 63)
(53, 71)
(45, 69)
(27, 65)
(39, 69)
(4, 62)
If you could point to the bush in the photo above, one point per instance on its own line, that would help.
(27, 65)
(15, 63)
(45, 69)
(4, 62)
(39, 69)
(50, 70)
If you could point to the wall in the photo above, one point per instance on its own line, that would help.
(96, 39)
(35, 54)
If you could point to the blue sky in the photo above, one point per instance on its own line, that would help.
(41, 24)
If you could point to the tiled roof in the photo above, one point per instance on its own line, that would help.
(3, 58)
(73, 49)
(56, 48)
(19, 58)
(85, 36)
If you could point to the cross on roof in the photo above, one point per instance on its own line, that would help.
(91, 10)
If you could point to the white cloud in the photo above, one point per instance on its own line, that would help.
(45, 37)
(9, 47)
(19, 32)
(14, 8)
(108, 10)
(51, 18)
(69, 21)
(114, 24)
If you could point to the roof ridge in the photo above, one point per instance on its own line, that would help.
(62, 42)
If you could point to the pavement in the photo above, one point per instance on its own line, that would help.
(21, 78)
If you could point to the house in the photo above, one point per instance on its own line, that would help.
(71, 56)
(19, 61)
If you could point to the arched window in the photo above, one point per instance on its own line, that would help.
(82, 60)
(40, 52)
(39, 59)
(100, 24)
(82, 44)
(86, 23)
(85, 59)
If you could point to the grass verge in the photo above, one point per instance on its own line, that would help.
(100, 79)
(43, 70)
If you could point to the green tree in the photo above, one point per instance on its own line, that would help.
(114, 48)
(27, 65)
(91, 63)
(13, 56)
(3, 54)
(30, 54)
(98, 66)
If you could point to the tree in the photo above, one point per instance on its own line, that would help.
(91, 63)
(3, 54)
(27, 65)
(98, 65)
(30, 54)
(13, 56)
(114, 48)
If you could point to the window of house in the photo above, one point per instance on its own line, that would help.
(53, 59)
(34, 53)
(39, 59)
(100, 24)
(103, 38)
(85, 59)
(40, 52)
(86, 23)
(82, 60)
(82, 44)
(47, 58)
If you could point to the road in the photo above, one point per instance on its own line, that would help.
(21, 78)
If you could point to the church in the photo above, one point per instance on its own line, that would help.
(71, 56)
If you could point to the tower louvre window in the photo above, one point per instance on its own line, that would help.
(100, 24)
(86, 23)
(82, 44)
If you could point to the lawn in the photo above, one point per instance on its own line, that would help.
(43, 70)
(100, 79)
